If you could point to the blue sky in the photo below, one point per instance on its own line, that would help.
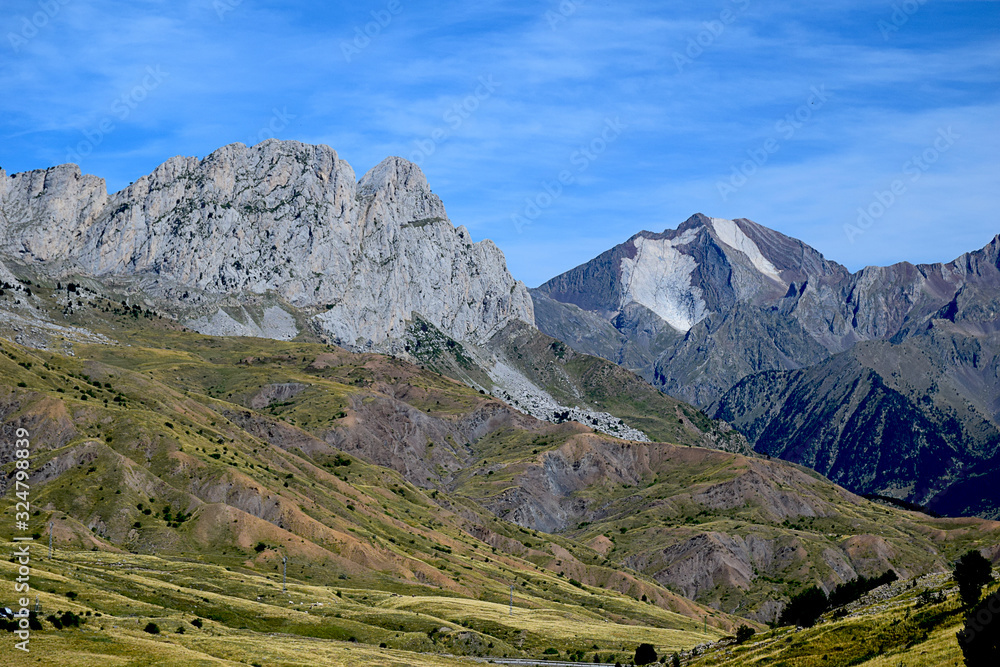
(793, 116)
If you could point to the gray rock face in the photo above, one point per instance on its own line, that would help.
(277, 223)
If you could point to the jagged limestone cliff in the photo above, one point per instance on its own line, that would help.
(280, 223)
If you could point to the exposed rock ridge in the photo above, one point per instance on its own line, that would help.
(280, 223)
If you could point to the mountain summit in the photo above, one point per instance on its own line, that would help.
(257, 240)
(698, 308)
(886, 379)
(705, 266)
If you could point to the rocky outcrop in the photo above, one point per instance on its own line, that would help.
(277, 226)
(276, 393)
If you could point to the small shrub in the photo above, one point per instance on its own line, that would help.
(152, 628)
(744, 633)
(645, 654)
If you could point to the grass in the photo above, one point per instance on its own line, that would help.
(245, 617)
(571, 627)
(877, 633)
(375, 482)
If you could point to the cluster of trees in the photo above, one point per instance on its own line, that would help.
(4, 286)
(896, 502)
(12, 624)
(67, 620)
(979, 637)
(59, 620)
(645, 654)
(744, 633)
(560, 417)
(135, 311)
(849, 591)
(805, 608)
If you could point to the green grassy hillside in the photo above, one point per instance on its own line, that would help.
(908, 623)
(179, 469)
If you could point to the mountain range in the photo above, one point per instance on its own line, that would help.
(280, 240)
(267, 241)
(258, 353)
(887, 379)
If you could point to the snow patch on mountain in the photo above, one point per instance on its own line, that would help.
(659, 278)
(731, 234)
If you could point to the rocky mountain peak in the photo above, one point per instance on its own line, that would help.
(393, 174)
(696, 222)
(681, 276)
(396, 189)
(266, 230)
(38, 208)
(683, 304)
